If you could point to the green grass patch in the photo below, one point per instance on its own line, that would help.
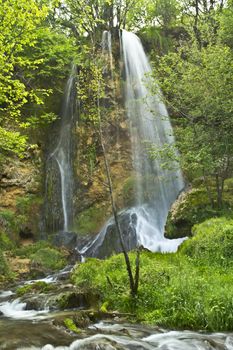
(212, 242)
(192, 289)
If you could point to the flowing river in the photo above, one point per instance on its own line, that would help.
(22, 327)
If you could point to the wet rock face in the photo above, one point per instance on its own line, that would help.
(111, 241)
(65, 239)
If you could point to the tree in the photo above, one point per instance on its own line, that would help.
(198, 87)
(18, 23)
(30, 53)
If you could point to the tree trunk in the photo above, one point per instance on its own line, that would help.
(219, 188)
(208, 190)
(133, 290)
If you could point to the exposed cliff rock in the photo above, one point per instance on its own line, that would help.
(20, 196)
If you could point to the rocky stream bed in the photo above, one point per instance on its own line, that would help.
(62, 318)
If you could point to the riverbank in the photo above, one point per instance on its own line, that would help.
(192, 289)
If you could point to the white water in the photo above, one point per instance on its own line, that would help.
(164, 341)
(16, 309)
(156, 187)
(62, 152)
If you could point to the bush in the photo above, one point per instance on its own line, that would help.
(5, 242)
(28, 250)
(4, 268)
(212, 242)
(48, 258)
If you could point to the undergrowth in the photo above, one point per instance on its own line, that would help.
(192, 289)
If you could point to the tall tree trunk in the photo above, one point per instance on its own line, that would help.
(133, 285)
(195, 26)
(208, 190)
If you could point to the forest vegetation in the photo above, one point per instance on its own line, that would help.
(190, 46)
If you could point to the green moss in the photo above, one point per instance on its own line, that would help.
(69, 323)
(90, 220)
(192, 207)
(27, 212)
(49, 259)
(129, 191)
(40, 286)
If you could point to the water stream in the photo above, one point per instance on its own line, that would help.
(22, 327)
(59, 172)
(30, 329)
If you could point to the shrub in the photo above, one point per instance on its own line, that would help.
(48, 258)
(212, 242)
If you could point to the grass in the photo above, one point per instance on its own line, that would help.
(192, 289)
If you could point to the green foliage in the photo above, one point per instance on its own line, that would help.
(197, 85)
(28, 250)
(4, 268)
(13, 142)
(18, 24)
(174, 291)
(5, 242)
(38, 287)
(212, 241)
(48, 258)
(31, 53)
(9, 221)
(226, 24)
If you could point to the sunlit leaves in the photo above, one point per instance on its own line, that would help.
(198, 86)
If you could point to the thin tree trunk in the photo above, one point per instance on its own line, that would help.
(219, 189)
(114, 210)
(208, 190)
(137, 270)
(195, 27)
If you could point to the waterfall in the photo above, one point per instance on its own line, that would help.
(59, 172)
(156, 187)
(107, 48)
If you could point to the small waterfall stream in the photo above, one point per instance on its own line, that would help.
(59, 162)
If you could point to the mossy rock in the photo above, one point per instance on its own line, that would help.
(76, 299)
(4, 268)
(38, 287)
(190, 208)
(129, 191)
(90, 220)
(48, 259)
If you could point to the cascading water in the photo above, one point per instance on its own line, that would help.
(156, 187)
(59, 189)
